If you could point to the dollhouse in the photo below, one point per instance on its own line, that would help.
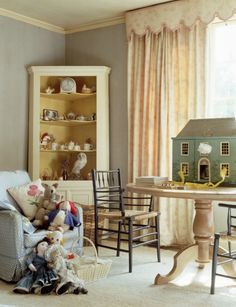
(203, 148)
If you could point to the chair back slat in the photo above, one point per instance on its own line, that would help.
(144, 202)
(230, 217)
(107, 190)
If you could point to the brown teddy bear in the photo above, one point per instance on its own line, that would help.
(48, 203)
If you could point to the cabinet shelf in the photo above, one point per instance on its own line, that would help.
(67, 97)
(67, 151)
(68, 123)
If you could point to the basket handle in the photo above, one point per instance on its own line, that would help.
(90, 241)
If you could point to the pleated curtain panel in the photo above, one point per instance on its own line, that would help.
(166, 88)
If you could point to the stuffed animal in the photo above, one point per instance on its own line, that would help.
(57, 257)
(48, 203)
(62, 218)
(39, 278)
(72, 206)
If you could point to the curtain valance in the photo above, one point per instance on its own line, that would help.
(174, 13)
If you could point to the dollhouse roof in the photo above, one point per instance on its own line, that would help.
(209, 127)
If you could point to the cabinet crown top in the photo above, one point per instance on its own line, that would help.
(65, 70)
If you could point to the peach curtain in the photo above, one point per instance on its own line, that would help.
(166, 87)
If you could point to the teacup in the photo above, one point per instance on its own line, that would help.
(54, 146)
(88, 146)
(77, 147)
(71, 145)
(81, 117)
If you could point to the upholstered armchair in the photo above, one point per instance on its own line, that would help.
(17, 235)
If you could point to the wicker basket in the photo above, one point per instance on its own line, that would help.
(90, 268)
(88, 221)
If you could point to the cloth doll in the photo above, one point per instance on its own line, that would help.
(63, 219)
(39, 278)
(57, 256)
(73, 209)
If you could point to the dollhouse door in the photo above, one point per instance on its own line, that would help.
(204, 169)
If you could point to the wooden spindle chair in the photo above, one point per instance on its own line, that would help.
(131, 218)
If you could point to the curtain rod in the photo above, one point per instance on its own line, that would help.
(157, 4)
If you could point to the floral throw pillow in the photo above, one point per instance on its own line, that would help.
(28, 197)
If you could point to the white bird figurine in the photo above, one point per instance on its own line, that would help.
(79, 164)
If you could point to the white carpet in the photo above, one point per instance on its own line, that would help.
(136, 289)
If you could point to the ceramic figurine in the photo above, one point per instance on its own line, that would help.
(79, 164)
(49, 90)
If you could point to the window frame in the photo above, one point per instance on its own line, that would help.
(181, 149)
(211, 70)
(221, 147)
(227, 166)
(181, 167)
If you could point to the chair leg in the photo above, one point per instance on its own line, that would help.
(157, 226)
(229, 247)
(96, 235)
(214, 262)
(130, 244)
(118, 240)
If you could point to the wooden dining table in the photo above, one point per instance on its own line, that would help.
(203, 224)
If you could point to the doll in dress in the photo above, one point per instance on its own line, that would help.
(57, 257)
(39, 278)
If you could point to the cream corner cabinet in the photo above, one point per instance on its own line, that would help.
(68, 127)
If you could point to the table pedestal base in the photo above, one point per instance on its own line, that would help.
(188, 254)
(181, 259)
(200, 252)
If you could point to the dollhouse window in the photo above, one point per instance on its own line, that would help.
(184, 149)
(225, 165)
(185, 168)
(224, 148)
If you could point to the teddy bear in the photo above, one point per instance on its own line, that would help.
(47, 204)
(64, 217)
(58, 259)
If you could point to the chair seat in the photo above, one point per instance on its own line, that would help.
(137, 215)
(226, 237)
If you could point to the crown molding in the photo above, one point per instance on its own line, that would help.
(32, 21)
(96, 25)
(53, 28)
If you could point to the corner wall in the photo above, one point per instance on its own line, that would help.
(21, 45)
(107, 46)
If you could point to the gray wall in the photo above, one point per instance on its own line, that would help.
(107, 46)
(21, 45)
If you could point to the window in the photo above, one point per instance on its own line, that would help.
(184, 149)
(224, 149)
(221, 69)
(225, 165)
(185, 168)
